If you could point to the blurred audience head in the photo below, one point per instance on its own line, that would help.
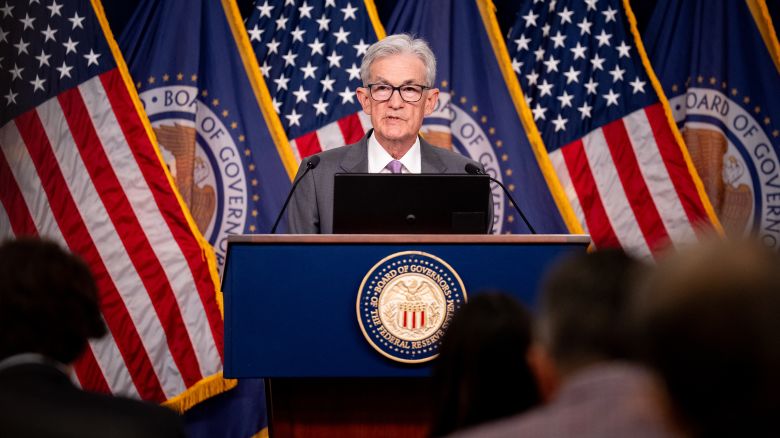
(482, 371)
(582, 316)
(48, 301)
(709, 321)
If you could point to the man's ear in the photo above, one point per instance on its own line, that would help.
(431, 97)
(364, 99)
(548, 378)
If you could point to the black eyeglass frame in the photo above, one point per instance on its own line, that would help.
(398, 88)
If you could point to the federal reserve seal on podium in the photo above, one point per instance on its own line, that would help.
(406, 302)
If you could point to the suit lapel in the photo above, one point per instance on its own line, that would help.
(356, 158)
(431, 163)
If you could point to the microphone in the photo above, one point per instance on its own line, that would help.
(311, 164)
(472, 169)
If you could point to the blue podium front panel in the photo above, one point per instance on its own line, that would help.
(290, 301)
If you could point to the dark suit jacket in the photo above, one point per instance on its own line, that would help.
(38, 400)
(311, 207)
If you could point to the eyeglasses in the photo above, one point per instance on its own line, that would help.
(409, 93)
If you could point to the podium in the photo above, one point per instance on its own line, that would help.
(291, 317)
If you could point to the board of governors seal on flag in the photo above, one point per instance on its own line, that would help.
(406, 302)
(731, 147)
(202, 149)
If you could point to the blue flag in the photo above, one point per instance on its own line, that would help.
(719, 63)
(479, 110)
(212, 114)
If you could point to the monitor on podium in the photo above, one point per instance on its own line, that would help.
(379, 203)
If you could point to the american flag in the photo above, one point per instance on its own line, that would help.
(608, 135)
(309, 53)
(78, 166)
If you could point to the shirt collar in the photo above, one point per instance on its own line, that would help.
(378, 158)
(31, 358)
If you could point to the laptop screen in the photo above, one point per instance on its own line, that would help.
(382, 203)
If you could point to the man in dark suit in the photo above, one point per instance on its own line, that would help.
(48, 311)
(398, 75)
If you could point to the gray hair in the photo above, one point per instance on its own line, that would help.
(402, 43)
(583, 305)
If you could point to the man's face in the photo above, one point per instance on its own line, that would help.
(396, 121)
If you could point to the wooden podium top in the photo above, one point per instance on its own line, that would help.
(410, 238)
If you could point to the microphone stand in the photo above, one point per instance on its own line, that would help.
(311, 164)
(474, 170)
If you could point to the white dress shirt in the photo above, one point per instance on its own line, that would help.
(378, 158)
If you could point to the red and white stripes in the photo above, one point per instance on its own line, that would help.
(346, 130)
(629, 184)
(413, 319)
(5, 221)
(81, 170)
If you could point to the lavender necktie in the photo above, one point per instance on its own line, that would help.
(394, 166)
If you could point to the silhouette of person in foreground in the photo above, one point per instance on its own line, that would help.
(482, 372)
(48, 312)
